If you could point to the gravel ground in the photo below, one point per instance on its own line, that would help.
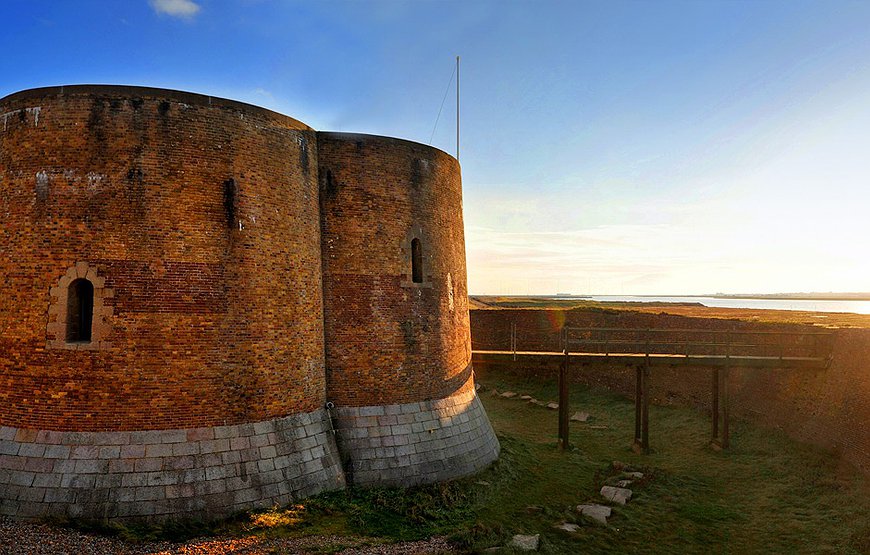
(18, 538)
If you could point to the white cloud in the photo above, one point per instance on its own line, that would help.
(176, 8)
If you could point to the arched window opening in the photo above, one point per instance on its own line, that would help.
(416, 261)
(79, 311)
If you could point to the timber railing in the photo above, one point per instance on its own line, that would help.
(646, 348)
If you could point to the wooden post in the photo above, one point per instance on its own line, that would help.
(715, 407)
(726, 401)
(638, 392)
(726, 406)
(563, 401)
(644, 442)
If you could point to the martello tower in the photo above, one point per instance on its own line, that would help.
(210, 306)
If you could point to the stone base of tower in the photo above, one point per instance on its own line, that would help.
(415, 443)
(198, 472)
(216, 471)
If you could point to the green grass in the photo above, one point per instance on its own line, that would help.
(768, 494)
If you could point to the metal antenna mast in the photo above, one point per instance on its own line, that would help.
(457, 108)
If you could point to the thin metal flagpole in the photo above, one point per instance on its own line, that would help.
(457, 108)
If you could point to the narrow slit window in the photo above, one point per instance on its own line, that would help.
(416, 261)
(79, 311)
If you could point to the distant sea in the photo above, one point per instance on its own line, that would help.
(809, 305)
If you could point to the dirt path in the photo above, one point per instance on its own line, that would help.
(17, 538)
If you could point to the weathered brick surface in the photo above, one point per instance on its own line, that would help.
(160, 473)
(244, 268)
(217, 307)
(389, 340)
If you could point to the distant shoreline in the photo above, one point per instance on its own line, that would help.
(746, 296)
(795, 296)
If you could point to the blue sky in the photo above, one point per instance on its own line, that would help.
(607, 147)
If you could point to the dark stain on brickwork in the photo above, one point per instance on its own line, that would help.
(230, 193)
(328, 184)
(134, 191)
(97, 130)
(409, 334)
(303, 155)
(163, 108)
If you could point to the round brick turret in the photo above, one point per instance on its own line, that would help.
(396, 305)
(201, 218)
(166, 349)
(391, 339)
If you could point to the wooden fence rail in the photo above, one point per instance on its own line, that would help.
(645, 348)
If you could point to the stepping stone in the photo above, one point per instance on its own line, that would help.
(508, 394)
(532, 509)
(616, 495)
(482, 483)
(552, 406)
(620, 483)
(525, 543)
(633, 475)
(494, 393)
(598, 513)
(567, 527)
(580, 417)
(536, 402)
(526, 397)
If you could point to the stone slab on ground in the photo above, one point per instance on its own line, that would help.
(598, 513)
(552, 406)
(623, 483)
(526, 397)
(509, 394)
(580, 417)
(633, 475)
(525, 543)
(567, 527)
(616, 495)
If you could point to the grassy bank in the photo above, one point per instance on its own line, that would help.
(766, 495)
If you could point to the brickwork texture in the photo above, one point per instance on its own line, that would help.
(246, 270)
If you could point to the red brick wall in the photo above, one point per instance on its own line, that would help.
(829, 408)
(389, 340)
(217, 311)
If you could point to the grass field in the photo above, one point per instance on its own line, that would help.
(767, 494)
